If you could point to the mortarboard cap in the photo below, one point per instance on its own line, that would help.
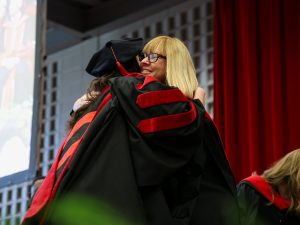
(122, 51)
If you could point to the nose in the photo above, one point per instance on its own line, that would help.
(145, 61)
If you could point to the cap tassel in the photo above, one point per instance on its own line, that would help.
(122, 70)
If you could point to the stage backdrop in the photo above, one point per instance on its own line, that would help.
(257, 81)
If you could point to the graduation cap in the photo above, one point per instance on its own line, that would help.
(116, 54)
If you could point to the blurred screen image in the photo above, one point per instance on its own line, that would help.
(17, 59)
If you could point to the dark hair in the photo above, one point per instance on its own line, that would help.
(92, 93)
(104, 61)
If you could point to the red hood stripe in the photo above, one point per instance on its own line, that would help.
(85, 119)
(70, 151)
(153, 98)
(48, 188)
(168, 122)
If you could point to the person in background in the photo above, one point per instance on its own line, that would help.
(273, 197)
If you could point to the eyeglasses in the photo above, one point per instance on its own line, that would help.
(152, 57)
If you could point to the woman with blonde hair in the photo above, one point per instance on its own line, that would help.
(274, 197)
(179, 69)
(203, 191)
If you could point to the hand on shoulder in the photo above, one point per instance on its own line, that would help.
(200, 94)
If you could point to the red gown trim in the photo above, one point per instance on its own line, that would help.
(261, 185)
(168, 122)
(68, 153)
(153, 98)
(48, 188)
(147, 80)
(85, 119)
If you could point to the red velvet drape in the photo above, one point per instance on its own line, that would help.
(257, 81)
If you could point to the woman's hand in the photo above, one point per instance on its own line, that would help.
(200, 94)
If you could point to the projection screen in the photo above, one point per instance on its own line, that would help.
(17, 76)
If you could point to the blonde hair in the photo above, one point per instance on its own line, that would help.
(180, 69)
(287, 171)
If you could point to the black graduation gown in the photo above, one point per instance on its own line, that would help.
(147, 151)
(255, 197)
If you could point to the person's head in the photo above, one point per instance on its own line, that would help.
(285, 174)
(105, 61)
(173, 65)
(115, 58)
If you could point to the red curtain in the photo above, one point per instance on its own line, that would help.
(257, 81)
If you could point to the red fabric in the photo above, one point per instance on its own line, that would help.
(69, 152)
(87, 118)
(42, 195)
(161, 123)
(153, 98)
(257, 81)
(147, 80)
(75, 147)
(125, 73)
(48, 188)
(261, 185)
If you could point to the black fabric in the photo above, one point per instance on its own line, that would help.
(255, 209)
(125, 50)
(161, 178)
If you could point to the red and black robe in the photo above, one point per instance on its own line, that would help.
(260, 205)
(149, 152)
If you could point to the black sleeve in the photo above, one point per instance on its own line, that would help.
(248, 201)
